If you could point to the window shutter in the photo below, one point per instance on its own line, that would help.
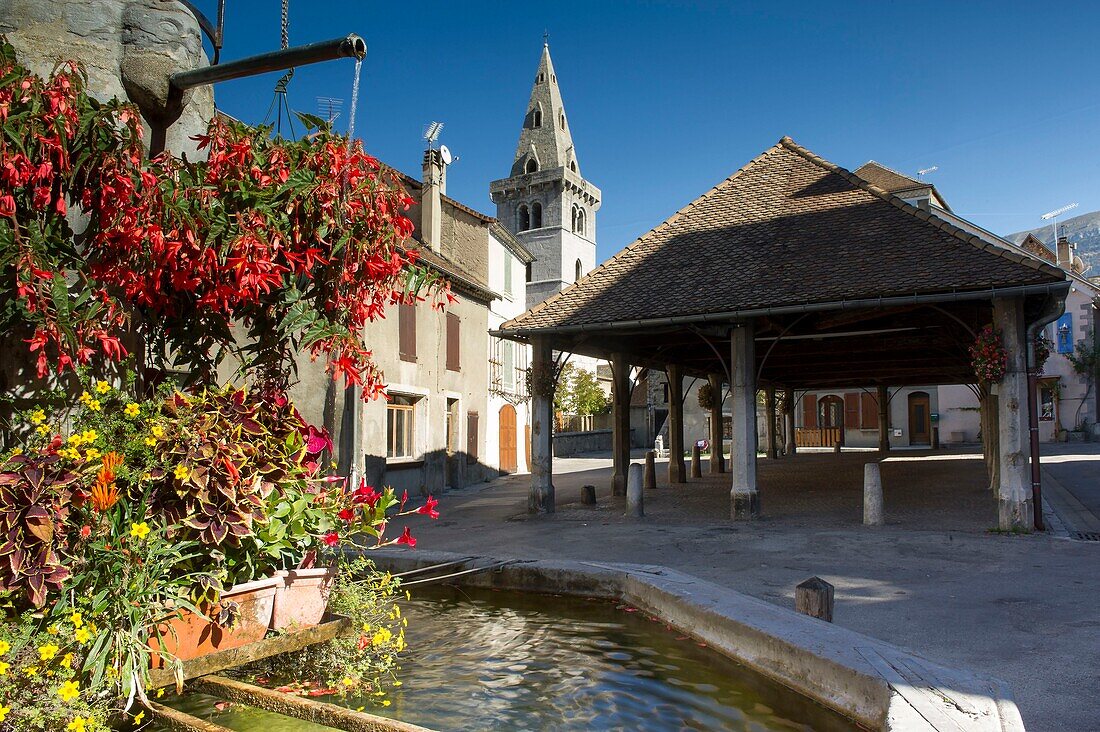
(453, 363)
(851, 411)
(869, 409)
(406, 332)
(809, 411)
(471, 437)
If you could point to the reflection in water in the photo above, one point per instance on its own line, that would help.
(482, 660)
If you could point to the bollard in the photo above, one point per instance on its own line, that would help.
(634, 499)
(696, 467)
(814, 597)
(650, 470)
(588, 495)
(836, 449)
(872, 495)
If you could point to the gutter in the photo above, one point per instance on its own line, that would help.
(1055, 289)
(1052, 309)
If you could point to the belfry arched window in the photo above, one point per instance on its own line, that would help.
(523, 218)
(536, 215)
(531, 166)
(536, 118)
(577, 271)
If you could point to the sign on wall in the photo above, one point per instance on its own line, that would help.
(1063, 334)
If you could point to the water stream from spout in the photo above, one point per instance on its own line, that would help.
(354, 100)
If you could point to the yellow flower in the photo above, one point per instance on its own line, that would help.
(77, 619)
(17, 451)
(181, 472)
(4, 711)
(47, 651)
(397, 683)
(4, 668)
(79, 724)
(94, 405)
(158, 431)
(68, 691)
(31, 671)
(38, 417)
(89, 435)
(75, 439)
(102, 387)
(348, 681)
(53, 630)
(139, 531)
(67, 661)
(42, 429)
(132, 410)
(4, 647)
(85, 398)
(92, 453)
(160, 693)
(150, 441)
(82, 635)
(138, 717)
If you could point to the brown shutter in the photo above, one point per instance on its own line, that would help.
(809, 411)
(869, 408)
(471, 437)
(406, 332)
(851, 410)
(453, 363)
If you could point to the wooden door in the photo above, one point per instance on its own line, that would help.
(920, 419)
(508, 439)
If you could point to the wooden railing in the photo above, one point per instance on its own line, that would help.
(817, 436)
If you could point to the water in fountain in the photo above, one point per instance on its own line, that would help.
(354, 99)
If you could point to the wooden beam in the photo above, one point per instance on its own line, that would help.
(178, 721)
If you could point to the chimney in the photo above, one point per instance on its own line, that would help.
(431, 203)
(1065, 253)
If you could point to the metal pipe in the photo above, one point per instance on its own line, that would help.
(351, 46)
(1052, 310)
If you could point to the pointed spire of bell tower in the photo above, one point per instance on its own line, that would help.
(545, 141)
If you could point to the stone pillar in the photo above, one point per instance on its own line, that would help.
(635, 501)
(717, 449)
(620, 422)
(883, 419)
(788, 419)
(771, 444)
(541, 497)
(677, 470)
(872, 495)
(1015, 507)
(744, 498)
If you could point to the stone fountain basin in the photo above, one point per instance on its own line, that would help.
(874, 683)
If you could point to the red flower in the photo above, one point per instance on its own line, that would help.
(331, 538)
(364, 643)
(7, 206)
(428, 509)
(347, 514)
(85, 531)
(407, 538)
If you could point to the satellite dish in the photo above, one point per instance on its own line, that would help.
(445, 154)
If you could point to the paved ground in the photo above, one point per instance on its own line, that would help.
(935, 580)
(1072, 485)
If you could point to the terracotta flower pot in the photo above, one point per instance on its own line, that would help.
(191, 636)
(301, 599)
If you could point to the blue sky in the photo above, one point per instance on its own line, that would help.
(665, 99)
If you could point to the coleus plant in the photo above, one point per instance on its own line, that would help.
(299, 243)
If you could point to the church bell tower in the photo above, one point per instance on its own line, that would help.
(546, 202)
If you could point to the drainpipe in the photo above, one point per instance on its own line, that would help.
(351, 46)
(1053, 308)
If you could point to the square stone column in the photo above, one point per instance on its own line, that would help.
(1015, 509)
(677, 471)
(541, 497)
(744, 498)
(771, 445)
(791, 447)
(620, 422)
(883, 419)
(717, 449)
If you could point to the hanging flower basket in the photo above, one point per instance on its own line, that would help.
(706, 397)
(988, 356)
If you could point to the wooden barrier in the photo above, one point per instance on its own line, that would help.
(818, 436)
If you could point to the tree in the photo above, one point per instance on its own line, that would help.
(587, 397)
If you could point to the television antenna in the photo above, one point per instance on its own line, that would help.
(925, 171)
(445, 154)
(1052, 217)
(330, 108)
(431, 133)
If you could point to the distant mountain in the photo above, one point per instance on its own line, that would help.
(1083, 230)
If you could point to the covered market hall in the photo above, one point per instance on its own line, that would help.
(794, 274)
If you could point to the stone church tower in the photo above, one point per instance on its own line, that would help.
(545, 202)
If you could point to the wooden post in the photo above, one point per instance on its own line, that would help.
(771, 446)
(1015, 502)
(620, 422)
(650, 477)
(541, 496)
(883, 419)
(788, 416)
(588, 495)
(814, 597)
(696, 465)
(744, 498)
